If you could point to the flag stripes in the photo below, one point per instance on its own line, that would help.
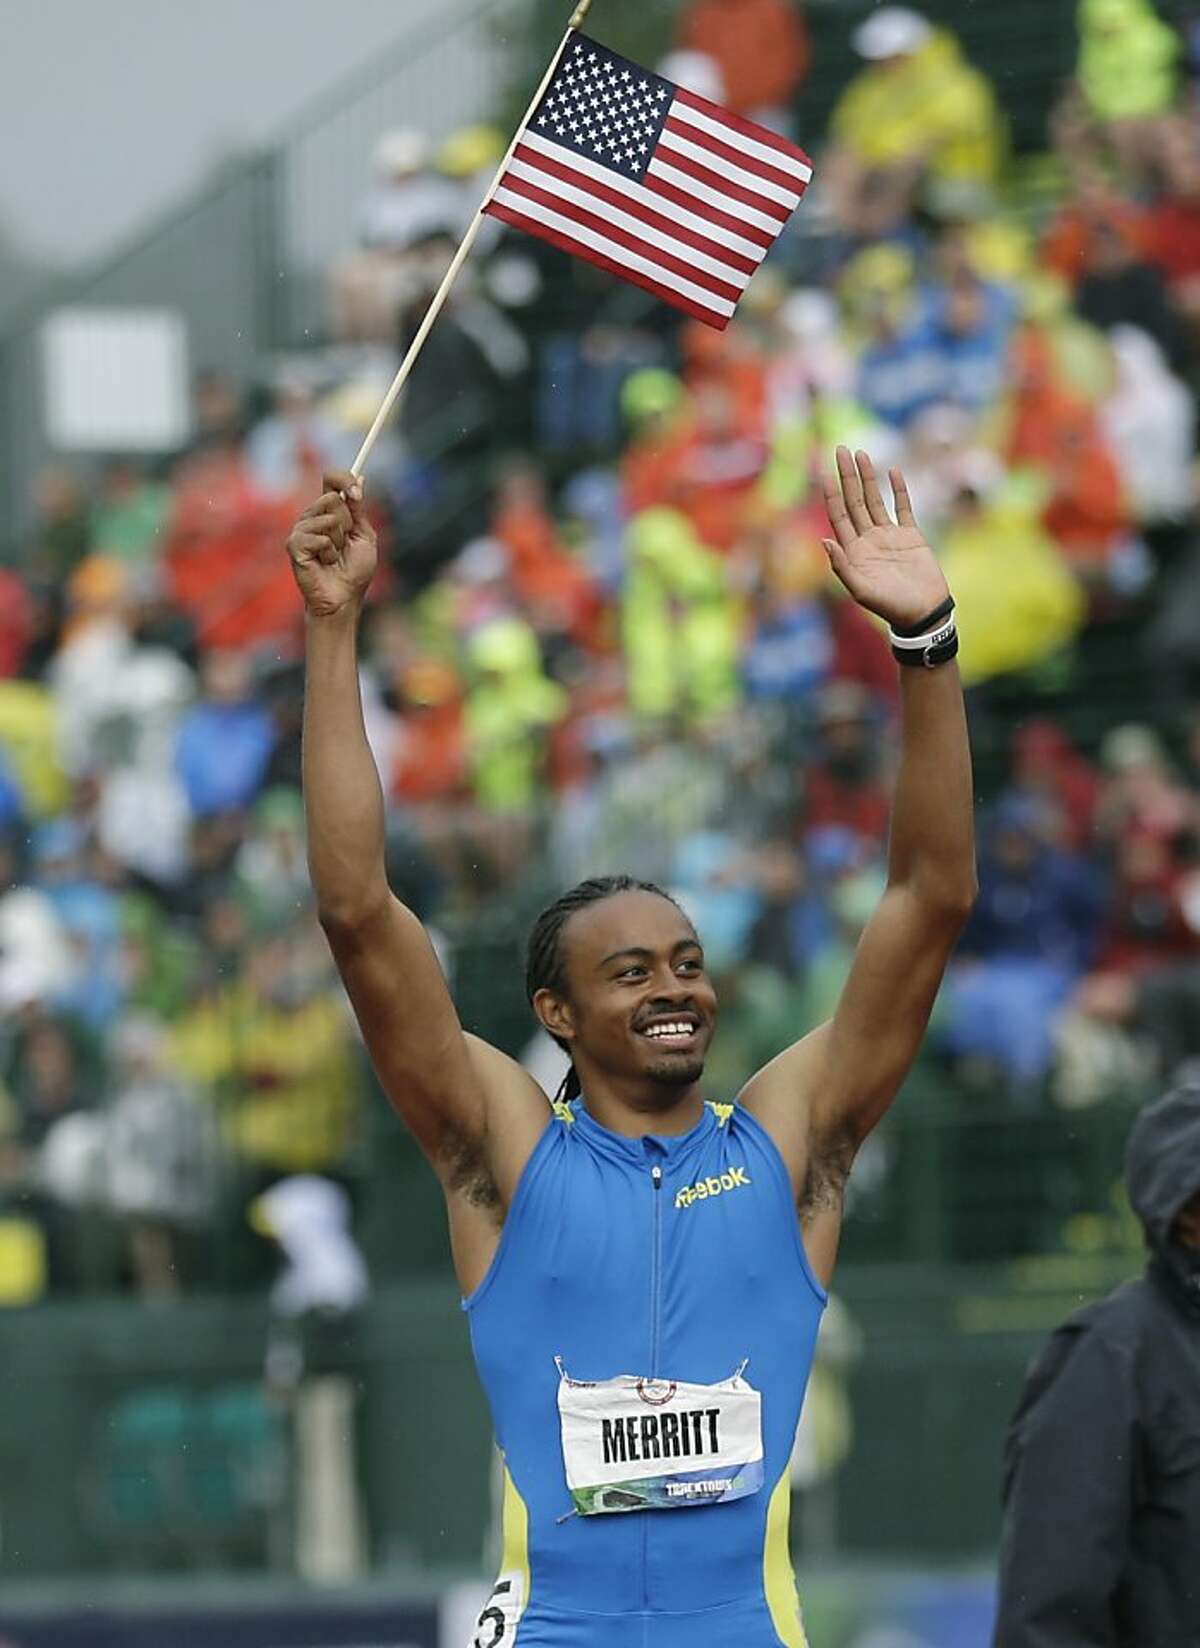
(703, 310)
(755, 141)
(650, 225)
(768, 180)
(642, 241)
(722, 229)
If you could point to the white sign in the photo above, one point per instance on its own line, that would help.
(116, 380)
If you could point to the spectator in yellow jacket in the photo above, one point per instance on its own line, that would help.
(679, 622)
(511, 705)
(274, 1048)
(1125, 87)
(1018, 603)
(917, 117)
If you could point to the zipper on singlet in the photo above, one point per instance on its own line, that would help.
(656, 1176)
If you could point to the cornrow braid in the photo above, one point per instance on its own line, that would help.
(545, 965)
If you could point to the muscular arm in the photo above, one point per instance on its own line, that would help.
(382, 952)
(821, 1097)
(474, 1112)
(880, 1020)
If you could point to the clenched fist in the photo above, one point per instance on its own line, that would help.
(332, 548)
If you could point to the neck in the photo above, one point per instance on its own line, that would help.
(634, 1110)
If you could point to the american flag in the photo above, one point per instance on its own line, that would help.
(655, 184)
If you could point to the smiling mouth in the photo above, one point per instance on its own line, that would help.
(669, 1033)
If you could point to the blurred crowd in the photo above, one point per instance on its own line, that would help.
(605, 636)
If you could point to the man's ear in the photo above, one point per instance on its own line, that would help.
(554, 1014)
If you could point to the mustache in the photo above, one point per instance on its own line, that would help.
(669, 1010)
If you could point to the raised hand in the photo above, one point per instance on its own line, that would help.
(886, 565)
(332, 548)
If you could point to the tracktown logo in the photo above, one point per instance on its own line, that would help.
(714, 1185)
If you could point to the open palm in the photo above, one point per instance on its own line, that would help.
(886, 565)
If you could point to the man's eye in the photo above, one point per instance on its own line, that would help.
(630, 972)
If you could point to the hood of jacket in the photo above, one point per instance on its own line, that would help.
(1162, 1172)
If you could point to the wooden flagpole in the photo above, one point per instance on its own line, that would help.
(460, 257)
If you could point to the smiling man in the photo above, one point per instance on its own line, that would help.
(644, 1271)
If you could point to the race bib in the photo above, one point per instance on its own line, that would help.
(633, 1444)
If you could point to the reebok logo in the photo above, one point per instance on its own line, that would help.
(714, 1185)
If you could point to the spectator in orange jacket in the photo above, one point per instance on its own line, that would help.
(1054, 429)
(430, 757)
(1070, 243)
(761, 48)
(1087, 513)
(555, 588)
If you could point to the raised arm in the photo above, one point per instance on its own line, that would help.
(449, 1088)
(822, 1096)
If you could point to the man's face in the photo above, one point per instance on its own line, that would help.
(1016, 851)
(639, 1003)
(1186, 1229)
(227, 677)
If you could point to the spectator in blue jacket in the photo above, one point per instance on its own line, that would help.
(1031, 936)
(970, 322)
(225, 741)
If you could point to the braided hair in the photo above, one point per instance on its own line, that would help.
(545, 964)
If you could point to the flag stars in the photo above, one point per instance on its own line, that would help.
(604, 107)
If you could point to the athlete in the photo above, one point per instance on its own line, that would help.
(644, 1272)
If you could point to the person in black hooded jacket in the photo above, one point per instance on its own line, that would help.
(1101, 1544)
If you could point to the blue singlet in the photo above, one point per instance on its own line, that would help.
(676, 1259)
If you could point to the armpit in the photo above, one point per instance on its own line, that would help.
(467, 1174)
(825, 1182)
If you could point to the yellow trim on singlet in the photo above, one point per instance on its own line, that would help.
(514, 1537)
(779, 1579)
(721, 1111)
(563, 1112)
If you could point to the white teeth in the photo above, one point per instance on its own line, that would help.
(669, 1030)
